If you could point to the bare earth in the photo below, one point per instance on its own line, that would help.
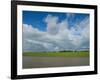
(42, 62)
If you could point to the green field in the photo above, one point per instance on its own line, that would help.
(58, 54)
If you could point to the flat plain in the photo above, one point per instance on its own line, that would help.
(55, 59)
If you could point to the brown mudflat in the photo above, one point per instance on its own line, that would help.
(43, 62)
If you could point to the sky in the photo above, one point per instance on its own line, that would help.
(55, 31)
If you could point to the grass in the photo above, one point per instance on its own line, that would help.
(58, 54)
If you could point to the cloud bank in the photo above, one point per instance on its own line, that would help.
(58, 36)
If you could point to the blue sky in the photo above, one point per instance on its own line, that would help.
(55, 31)
(36, 18)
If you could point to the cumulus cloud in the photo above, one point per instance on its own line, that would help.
(58, 36)
(70, 15)
(52, 22)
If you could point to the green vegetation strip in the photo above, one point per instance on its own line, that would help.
(58, 54)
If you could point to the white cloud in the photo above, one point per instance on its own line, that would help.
(70, 15)
(57, 37)
(52, 22)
